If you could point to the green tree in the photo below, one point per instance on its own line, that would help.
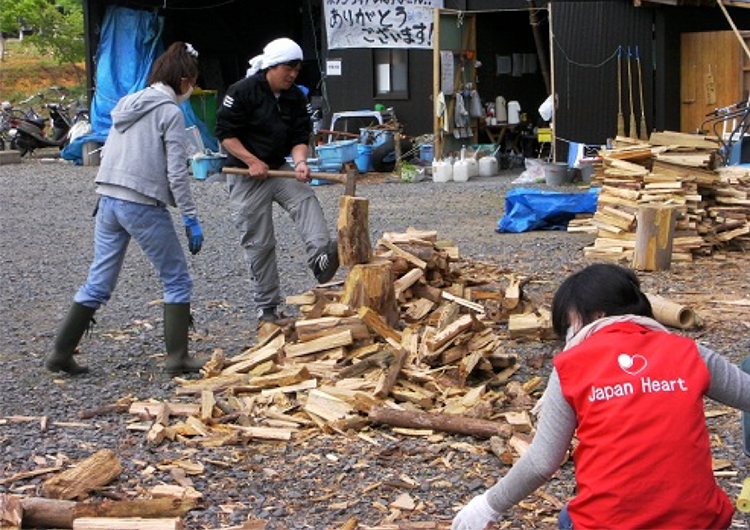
(57, 25)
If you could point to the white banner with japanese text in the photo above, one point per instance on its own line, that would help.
(380, 23)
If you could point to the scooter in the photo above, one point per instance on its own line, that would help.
(30, 134)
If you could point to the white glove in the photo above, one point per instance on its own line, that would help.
(476, 515)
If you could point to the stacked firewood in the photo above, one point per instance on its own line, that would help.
(416, 338)
(673, 169)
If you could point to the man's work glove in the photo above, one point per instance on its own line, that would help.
(476, 515)
(194, 233)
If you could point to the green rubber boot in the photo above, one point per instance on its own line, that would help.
(177, 322)
(77, 322)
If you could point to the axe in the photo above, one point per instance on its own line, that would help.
(348, 179)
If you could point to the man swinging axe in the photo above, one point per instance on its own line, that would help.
(262, 119)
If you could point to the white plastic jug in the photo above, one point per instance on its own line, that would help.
(487, 166)
(501, 112)
(473, 167)
(514, 112)
(442, 171)
(461, 168)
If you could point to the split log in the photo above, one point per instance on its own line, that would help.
(371, 285)
(378, 325)
(11, 512)
(354, 231)
(654, 237)
(453, 423)
(96, 471)
(671, 313)
(118, 523)
(386, 384)
(52, 513)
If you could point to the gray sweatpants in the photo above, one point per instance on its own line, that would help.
(252, 202)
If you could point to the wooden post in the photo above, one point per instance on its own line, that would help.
(354, 231)
(653, 237)
(371, 285)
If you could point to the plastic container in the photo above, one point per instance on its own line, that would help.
(501, 111)
(205, 165)
(425, 153)
(487, 166)
(514, 112)
(442, 171)
(461, 168)
(364, 158)
(374, 137)
(337, 152)
(473, 167)
(556, 174)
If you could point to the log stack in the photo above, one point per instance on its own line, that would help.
(673, 169)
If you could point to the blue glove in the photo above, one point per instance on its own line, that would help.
(194, 233)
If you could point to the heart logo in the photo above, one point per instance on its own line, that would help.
(631, 364)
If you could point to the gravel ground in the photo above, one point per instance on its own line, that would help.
(46, 234)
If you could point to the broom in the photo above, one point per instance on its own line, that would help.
(644, 128)
(633, 126)
(620, 117)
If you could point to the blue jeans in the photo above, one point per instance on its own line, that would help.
(564, 522)
(151, 227)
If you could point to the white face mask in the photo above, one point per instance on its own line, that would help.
(184, 97)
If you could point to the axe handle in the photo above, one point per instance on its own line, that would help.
(335, 177)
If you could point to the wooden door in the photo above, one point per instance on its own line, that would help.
(711, 75)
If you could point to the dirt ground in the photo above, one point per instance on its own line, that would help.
(317, 480)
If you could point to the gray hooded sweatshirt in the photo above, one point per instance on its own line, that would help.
(145, 151)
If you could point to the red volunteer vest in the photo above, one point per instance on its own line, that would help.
(643, 459)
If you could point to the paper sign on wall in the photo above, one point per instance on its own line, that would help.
(380, 23)
(333, 67)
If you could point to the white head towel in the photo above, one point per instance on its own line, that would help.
(276, 52)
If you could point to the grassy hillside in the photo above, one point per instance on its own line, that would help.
(24, 72)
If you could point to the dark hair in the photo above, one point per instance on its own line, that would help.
(600, 288)
(173, 65)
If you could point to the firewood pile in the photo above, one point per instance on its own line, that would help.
(677, 169)
(417, 338)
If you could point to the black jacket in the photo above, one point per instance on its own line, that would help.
(268, 127)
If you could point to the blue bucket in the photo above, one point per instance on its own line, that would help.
(364, 158)
(425, 153)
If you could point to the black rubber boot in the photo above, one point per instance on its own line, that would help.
(177, 322)
(77, 322)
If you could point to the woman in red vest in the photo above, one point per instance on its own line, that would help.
(632, 394)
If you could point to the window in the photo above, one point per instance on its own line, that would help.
(391, 73)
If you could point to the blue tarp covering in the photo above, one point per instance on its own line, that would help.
(532, 209)
(130, 42)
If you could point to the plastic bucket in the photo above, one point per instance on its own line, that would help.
(364, 158)
(425, 153)
(556, 174)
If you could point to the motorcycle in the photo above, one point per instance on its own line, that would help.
(30, 131)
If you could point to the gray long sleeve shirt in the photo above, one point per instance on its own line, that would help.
(557, 424)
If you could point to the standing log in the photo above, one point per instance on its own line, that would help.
(11, 512)
(111, 523)
(371, 285)
(354, 231)
(653, 237)
(671, 313)
(454, 423)
(96, 471)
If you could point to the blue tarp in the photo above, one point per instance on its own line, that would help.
(130, 42)
(532, 209)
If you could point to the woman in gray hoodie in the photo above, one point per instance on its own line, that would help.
(143, 170)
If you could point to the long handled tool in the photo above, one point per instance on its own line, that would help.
(620, 117)
(348, 179)
(633, 127)
(644, 128)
